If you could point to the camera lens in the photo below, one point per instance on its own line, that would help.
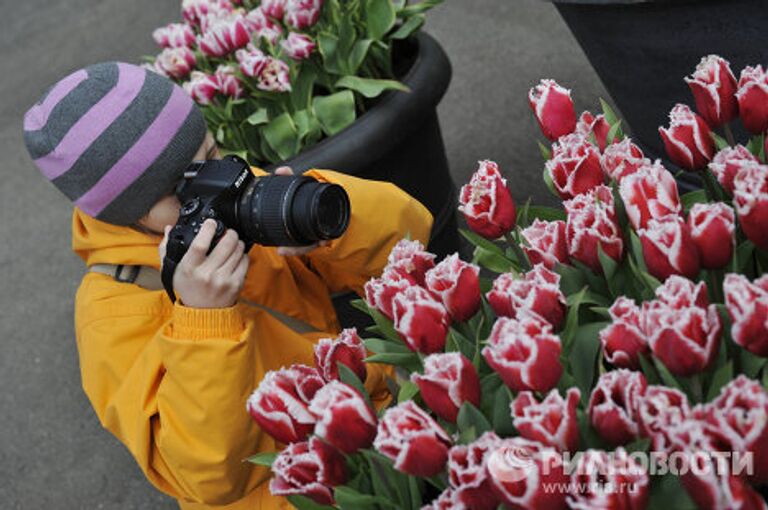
(293, 211)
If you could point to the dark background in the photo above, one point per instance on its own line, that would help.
(53, 452)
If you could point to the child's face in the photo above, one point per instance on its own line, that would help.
(166, 210)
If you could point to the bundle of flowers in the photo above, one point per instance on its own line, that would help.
(276, 76)
(611, 354)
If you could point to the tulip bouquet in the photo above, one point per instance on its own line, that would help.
(606, 355)
(275, 76)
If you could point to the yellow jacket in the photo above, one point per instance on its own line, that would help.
(171, 382)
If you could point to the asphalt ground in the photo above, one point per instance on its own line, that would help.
(53, 452)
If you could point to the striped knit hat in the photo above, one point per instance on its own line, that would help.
(114, 138)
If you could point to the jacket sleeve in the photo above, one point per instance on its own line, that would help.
(381, 215)
(176, 397)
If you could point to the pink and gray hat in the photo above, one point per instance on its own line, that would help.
(114, 138)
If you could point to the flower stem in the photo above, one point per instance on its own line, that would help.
(729, 135)
(714, 279)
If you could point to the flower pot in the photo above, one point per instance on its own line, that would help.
(399, 140)
(642, 51)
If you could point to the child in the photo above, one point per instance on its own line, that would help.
(171, 380)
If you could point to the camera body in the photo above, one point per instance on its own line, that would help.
(273, 210)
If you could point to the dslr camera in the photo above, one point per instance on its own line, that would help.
(273, 210)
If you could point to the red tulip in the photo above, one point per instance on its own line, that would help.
(537, 292)
(486, 202)
(301, 14)
(553, 108)
(229, 84)
(750, 199)
(713, 232)
(753, 99)
(592, 224)
(714, 89)
(468, 473)
(668, 248)
(223, 34)
(280, 405)
(379, 292)
(680, 293)
(309, 468)
(344, 418)
(527, 475)
(739, 415)
(447, 500)
(609, 481)
(195, 11)
(411, 260)
(747, 305)
(202, 87)
(457, 284)
(176, 62)
(525, 353)
(687, 139)
(273, 8)
(613, 405)
(413, 440)
(596, 126)
(624, 341)
(262, 27)
(347, 349)
(545, 243)
(575, 166)
(621, 159)
(728, 162)
(421, 321)
(649, 193)
(659, 410)
(174, 35)
(449, 380)
(707, 482)
(551, 422)
(298, 46)
(685, 336)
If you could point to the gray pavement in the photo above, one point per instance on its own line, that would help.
(53, 452)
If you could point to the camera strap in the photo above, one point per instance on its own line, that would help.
(150, 278)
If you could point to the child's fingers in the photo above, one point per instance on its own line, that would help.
(164, 243)
(223, 249)
(284, 170)
(240, 271)
(199, 248)
(234, 259)
(289, 251)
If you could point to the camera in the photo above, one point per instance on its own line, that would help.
(273, 210)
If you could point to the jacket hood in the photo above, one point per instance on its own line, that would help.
(97, 242)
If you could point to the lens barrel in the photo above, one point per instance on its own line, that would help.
(284, 210)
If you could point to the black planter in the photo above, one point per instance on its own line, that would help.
(399, 140)
(642, 52)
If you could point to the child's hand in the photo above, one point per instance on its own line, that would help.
(210, 281)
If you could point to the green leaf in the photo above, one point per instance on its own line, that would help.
(491, 260)
(649, 370)
(550, 184)
(666, 376)
(258, 117)
(742, 259)
(638, 445)
(667, 492)
(348, 498)
(335, 112)
(479, 240)
(609, 268)
(460, 343)
(720, 142)
(385, 325)
(410, 361)
(501, 416)
(347, 376)
(419, 8)
(610, 115)
(545, 151)
(571, 321)
(408, 391)
(614, 133)
(358, 54)
(379, 345)
(302, 88)
(584, 354)
(721, 377)
(380, 17)
(304, 503)
(327, 45)
(749, 363)
(282, 136)
(546, 213)
(571, 279)
(693, 197)
(409, 27)
(263, 459)
(370, 87)
(470, 416)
